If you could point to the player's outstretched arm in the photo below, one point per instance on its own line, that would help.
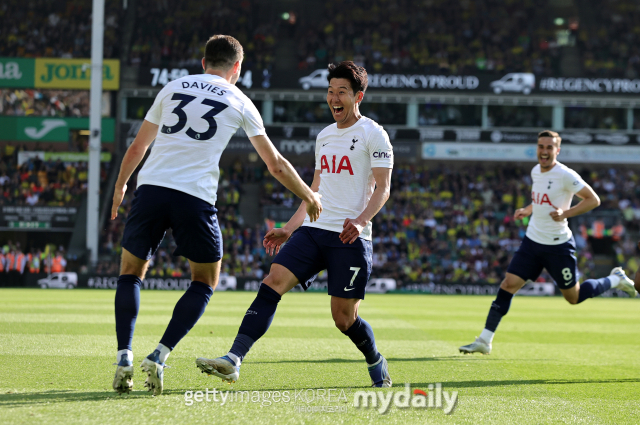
(284, 172)
(590, 200)
(353, 227)
(274, 239)
(146, 135)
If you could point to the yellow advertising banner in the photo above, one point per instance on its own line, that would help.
(54, 73)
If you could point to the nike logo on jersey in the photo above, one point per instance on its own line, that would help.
(325, 144)
(345, 288)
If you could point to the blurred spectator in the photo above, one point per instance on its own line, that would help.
(44, 103)
(43, 183)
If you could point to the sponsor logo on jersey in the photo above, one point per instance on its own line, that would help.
(383, 154)
(536, 198)
(343, 165)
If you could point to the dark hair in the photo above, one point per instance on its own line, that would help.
(222, 51)
(357, 75)
(550, 133)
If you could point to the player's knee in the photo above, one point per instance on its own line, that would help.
(572, 301)
(509, 286)
(343, 323)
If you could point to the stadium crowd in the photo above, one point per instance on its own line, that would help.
(432, 37)
(440, 224)
(39, 182)
(44, 103)
(61, 29)
(467, 37)
(172, 33)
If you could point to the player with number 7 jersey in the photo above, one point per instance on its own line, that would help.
(191, 120)
(354, 160)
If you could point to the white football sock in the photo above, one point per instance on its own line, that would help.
(129, 354)
(235, 358)
(164, 352)
(486, 335)
(615, 280)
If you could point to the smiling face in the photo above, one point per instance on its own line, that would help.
(343, 102)
(548, 150)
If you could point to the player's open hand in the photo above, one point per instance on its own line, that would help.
(351, 230)
(521, 213)
(314, 206)
(557, 215)
(118, 196)
(274, 239)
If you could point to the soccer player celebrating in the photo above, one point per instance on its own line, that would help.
(549, 242)
(354, 160)
(196, 116)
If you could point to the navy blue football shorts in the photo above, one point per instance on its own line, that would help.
(194, 223)
(311, 250)
(559, 260)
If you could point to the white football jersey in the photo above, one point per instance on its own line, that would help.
(345, 158)
(197, 115)
(551, 190)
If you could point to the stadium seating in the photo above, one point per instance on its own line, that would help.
(55, 28)
(440, 224)
(45, 103)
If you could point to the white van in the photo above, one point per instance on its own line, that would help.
(64, 280)
(518, 82)
(381, 286)
(317, 79)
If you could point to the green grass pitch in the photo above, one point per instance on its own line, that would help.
(551, 362)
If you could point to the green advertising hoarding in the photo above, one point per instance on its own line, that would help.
(17, 72)
(49, 129)
(54, 73)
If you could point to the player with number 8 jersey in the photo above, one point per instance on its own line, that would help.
(548, 243)
(191, 120)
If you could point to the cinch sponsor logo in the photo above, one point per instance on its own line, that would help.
(381, 154)
(433, 398)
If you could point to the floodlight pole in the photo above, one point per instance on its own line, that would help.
(95, 127)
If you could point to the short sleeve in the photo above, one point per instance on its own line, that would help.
(318, 166)
(252, 121)
(572, 182)
(154, 115)
(380, 149)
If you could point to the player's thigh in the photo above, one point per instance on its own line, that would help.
(348, 266)
(280, 279)
(301, 256)
(130, 264)
(195, 229)
(526, 264)
(561, 263)
(146, 224)
(344, 312)
(208, 273)
(512, 283)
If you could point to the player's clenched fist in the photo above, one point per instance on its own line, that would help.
(521, 213)
(118, 196)
(557, 215)
(351, 230)
(314, 206)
